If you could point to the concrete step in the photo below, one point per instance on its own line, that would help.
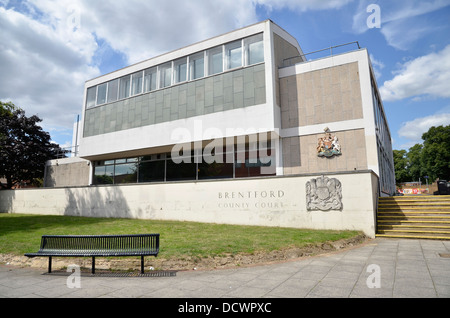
(425, 217)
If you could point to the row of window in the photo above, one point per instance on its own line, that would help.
(384, 145)
(161, 168)
(244, 52)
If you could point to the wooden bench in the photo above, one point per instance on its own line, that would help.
(97, 246)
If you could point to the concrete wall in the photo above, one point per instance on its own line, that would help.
(67, 172)
(275, 201)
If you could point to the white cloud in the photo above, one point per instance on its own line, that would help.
(303, 5)
(48, 49)
(400, 23)
(413, 130)
(43, 67)
(377, 66)
(143, 29)
(402, 36)
(425, 75)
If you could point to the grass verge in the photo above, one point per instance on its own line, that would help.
(21, 233)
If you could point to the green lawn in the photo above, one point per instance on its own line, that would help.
(21, 233)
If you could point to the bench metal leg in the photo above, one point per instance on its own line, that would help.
(49, 264)
(142, 264)
(93, 265)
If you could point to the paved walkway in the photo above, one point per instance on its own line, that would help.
(387, 268)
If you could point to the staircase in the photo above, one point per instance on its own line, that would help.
(422, 217)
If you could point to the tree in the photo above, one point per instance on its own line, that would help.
(436, 152)
(401, 166)
(431, 159)
(24, 146)
(415, 168)
(6, 109)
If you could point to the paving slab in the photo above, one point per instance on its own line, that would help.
(380, 268)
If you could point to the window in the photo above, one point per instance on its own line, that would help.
(150, 79)
(254, 49)
(90, 98)
(180, 69)
(233, 53)
(221, 167)
(101, 94)
(197, 66)
(151, 170)
(181, 171)
(165, 75)
(136, 83)
(215, 60)
(125, 173)
(254, 159)
(103, 174)
(124, 89)
(113, 88)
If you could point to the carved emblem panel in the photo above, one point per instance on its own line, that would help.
(323, 194)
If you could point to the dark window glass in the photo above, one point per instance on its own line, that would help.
(125, 173)
(181, 171)
(249, 164)
(150, 171)
(215, 170)
(104, 175)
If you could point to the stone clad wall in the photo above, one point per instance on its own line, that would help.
(311, 101)
(293, 201)
(321, 96)
(300, 155)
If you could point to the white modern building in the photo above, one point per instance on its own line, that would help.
(240, 128)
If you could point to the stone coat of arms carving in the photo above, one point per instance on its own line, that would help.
(328, 145)
(323, 194)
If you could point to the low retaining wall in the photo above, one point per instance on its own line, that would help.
(341, 201)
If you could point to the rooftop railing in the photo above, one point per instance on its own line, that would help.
(302, 58)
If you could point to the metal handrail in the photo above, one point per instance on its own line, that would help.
(303, 56)
(67, 151)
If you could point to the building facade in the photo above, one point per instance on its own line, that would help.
(229, 107)
(242, 108)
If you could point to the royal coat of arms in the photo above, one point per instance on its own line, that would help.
(324, 194)
(328, 145)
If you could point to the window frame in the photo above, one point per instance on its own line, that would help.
(97, 102)
(140, 76)
(177, 72)
(162, 69)
(129, 86)
(228, 48)
(148, 76)
(192, 65)
(110, 90)
(92, 103)
(210, 57)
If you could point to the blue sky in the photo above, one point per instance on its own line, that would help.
(48, 49)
